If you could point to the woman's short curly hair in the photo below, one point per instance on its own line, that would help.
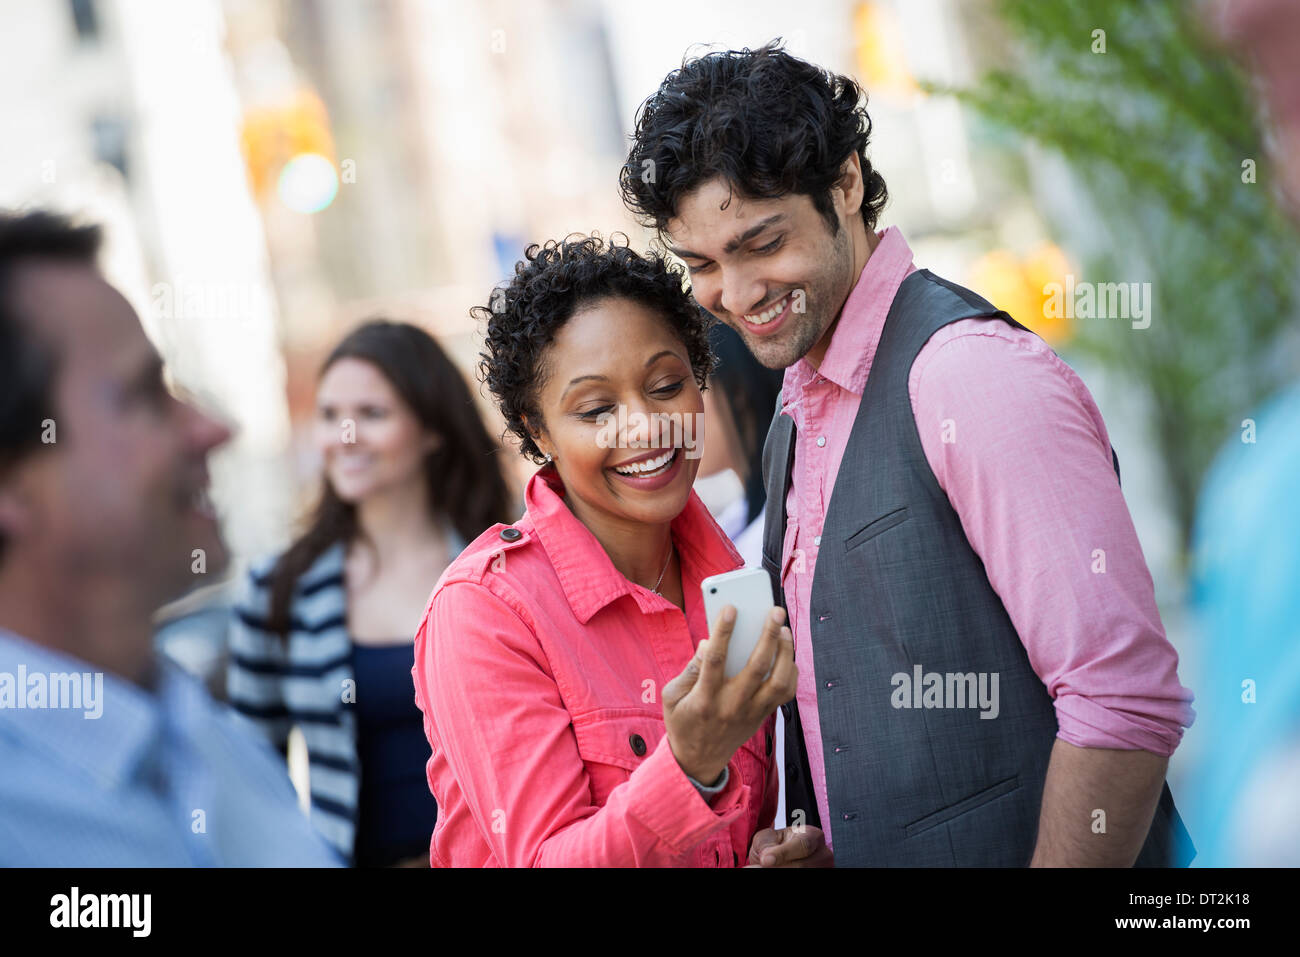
(553, 282)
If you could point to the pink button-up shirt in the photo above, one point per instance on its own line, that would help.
(539, 669)
(1017, 443)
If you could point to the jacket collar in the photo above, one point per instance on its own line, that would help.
(588, 577)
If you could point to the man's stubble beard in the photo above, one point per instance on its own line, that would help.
(823, 290)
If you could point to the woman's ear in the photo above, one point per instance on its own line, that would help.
(539, 437)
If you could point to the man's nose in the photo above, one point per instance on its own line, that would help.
(207, 431)
(740, 292)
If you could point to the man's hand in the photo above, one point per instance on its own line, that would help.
(803, 846)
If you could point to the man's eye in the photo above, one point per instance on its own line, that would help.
(592, 414)
(695, 270)
(771, 247)
(151, 392)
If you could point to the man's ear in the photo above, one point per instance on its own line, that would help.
(17, 510)
(850, 183)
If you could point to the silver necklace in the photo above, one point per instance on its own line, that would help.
(665, 571)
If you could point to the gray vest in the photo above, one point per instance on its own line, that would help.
(899, 594)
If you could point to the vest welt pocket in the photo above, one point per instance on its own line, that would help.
(875, 527)
(964, 806)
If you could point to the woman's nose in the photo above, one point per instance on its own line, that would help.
(346, 432)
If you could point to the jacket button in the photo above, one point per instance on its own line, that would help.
(769, 744)
(638, 744)
(511, 534)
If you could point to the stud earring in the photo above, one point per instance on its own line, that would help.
(549, 458)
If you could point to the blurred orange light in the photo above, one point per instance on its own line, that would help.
(1018, 286)
(882, 67)
(273, 135)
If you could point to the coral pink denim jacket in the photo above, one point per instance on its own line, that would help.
(539, 669)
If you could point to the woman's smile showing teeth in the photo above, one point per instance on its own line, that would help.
(646, 466)
(651, 471)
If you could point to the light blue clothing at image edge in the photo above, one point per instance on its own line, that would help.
(1247, 597)
(166, 778)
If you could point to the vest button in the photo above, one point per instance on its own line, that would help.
(638, 744)
(511, 534)
(821, 441)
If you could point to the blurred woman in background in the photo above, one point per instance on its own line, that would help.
(738, 406)
(323, 638)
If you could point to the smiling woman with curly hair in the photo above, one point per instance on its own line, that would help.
(575, 712)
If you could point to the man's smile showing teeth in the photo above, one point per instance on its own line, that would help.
(768, 315)
(648, 466)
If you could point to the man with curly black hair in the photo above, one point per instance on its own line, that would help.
(983, 675)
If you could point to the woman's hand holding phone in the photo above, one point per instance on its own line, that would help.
(708, 716)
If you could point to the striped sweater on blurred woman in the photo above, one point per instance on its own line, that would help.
(279, 685)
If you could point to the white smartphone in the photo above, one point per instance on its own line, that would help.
(749, 590)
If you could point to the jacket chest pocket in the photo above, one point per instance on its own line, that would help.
(613, 744)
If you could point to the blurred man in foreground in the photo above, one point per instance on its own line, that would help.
(111, 756)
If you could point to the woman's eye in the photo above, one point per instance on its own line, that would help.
(671, 389)
(591, 415)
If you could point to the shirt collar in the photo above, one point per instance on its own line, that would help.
(857, 333)
(588, 577)
(112, 747)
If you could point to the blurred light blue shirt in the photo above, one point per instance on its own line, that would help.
(135, 778)
(1247, 594)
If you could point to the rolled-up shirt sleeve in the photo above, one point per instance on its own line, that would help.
(1019, 447)
(497, 715)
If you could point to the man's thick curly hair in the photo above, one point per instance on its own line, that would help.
(768, 123)
(552, 283)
